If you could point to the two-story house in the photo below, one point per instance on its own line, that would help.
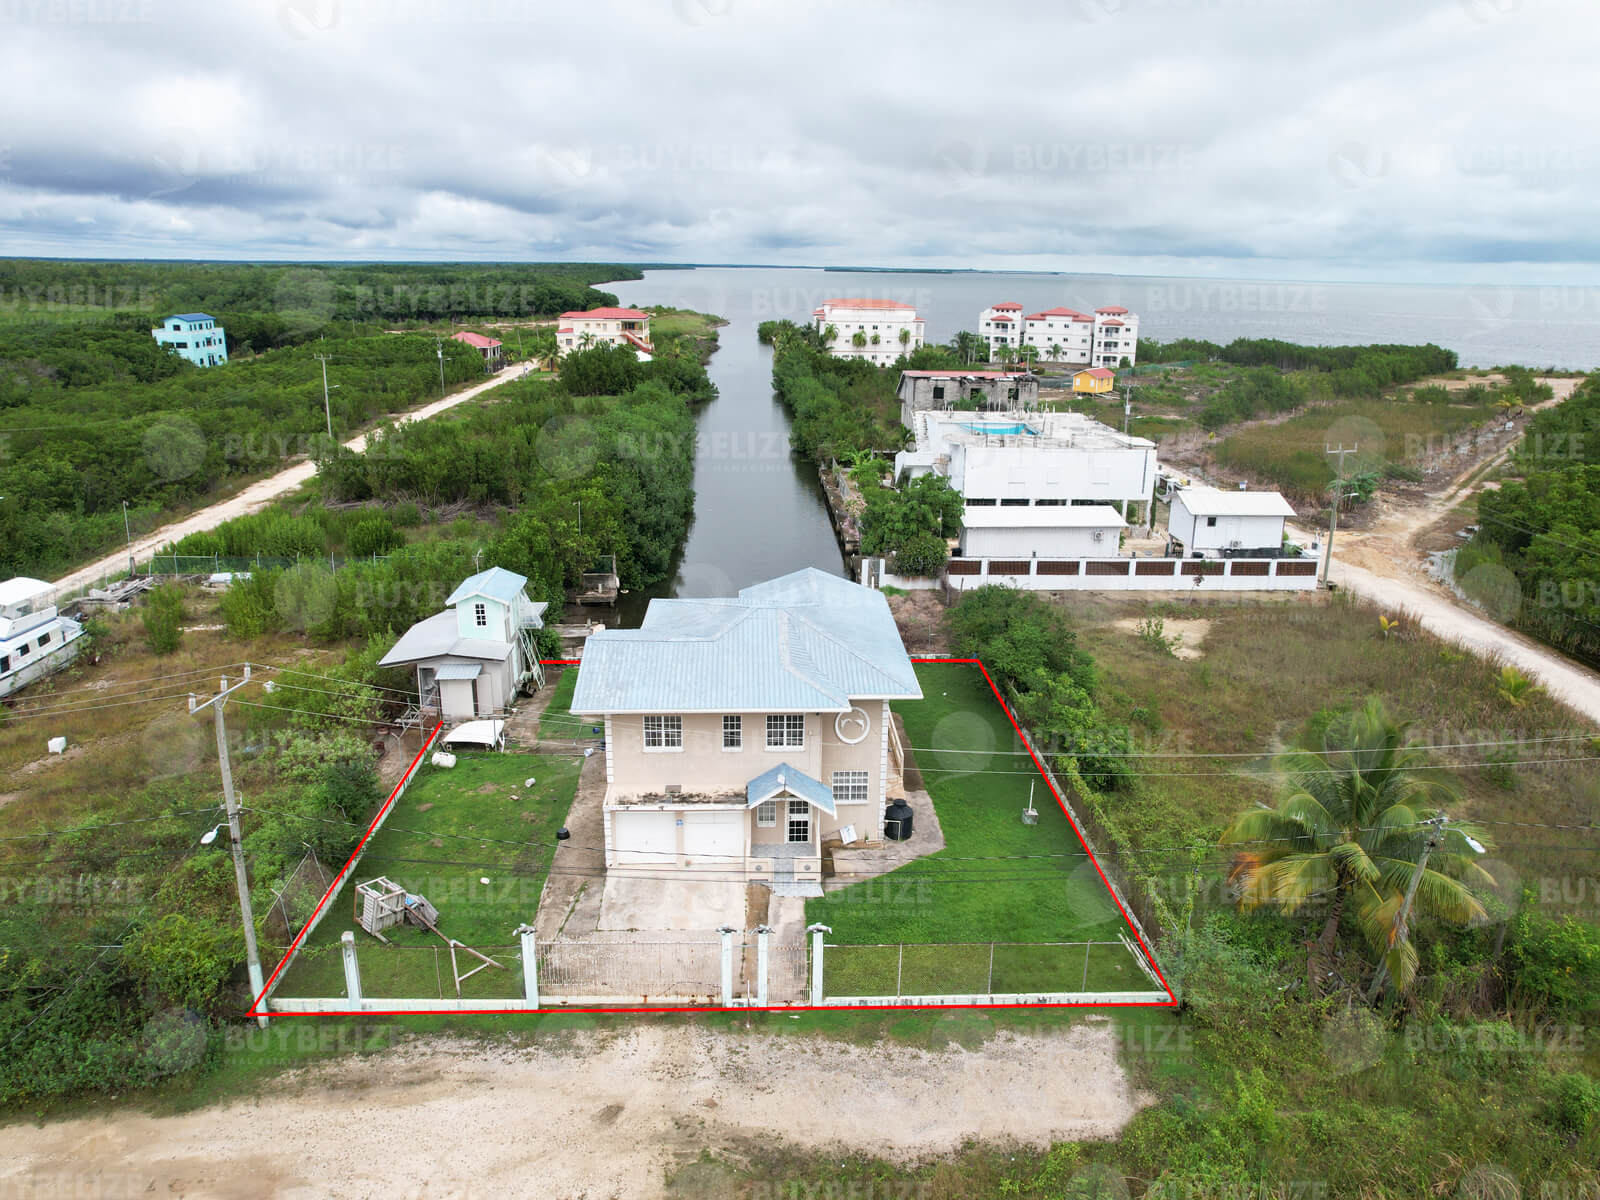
(472, 658)
(614, 326)
(741, 733)
(194, 336)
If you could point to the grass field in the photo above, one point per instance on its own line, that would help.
(557, 721)
(1237, 700)
(997, 880)
(1292, 455)
(452, 830)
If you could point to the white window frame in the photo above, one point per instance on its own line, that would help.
(787, 724)
(668, 725)
(796, 812)
(851, 782)
(733, 724)
(767, 814)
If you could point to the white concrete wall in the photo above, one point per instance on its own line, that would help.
(1047, 542)
(1227, 581)
(1038, 472)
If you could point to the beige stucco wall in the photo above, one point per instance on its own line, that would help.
(703, 765)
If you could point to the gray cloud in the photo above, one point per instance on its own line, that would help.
(1444, 139)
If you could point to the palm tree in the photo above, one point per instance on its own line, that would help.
(1007, 355)
(905, 340)
(830, 334)
(858, 339)
(1055, 351)
(876, 339)
(1351, 828)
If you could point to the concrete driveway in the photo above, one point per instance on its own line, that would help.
(649, 902)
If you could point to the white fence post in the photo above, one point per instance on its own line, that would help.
(727, 965)
(352, 972)
(530, 965)
(816, 932)
(762, 934)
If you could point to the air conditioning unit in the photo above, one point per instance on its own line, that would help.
(1099, 535)
(1235, 545)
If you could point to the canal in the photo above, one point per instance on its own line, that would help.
(758, 510)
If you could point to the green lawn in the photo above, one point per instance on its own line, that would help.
(449, 832)
(557, 721)
(997, 880)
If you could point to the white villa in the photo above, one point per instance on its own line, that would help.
(886, 329)
(194, 336)
(1036, 484)
(1209, 522)
(741, 733)
(615, 326)
(35, 640)
(1101, 339)
(472, 658)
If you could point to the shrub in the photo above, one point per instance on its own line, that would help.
(373, 534)
(163, 619)
(921, 554)
(1554, 964)
(184, 960)
(1573, 1103)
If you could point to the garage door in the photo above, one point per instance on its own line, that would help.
(713, 838)
(644, 837)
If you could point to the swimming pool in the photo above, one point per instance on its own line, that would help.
(997, 428)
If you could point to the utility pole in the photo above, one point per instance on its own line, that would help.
(128, 530)
(1398, 933)
(241, 876)
(1338, 494)
(327, 409)
(438, 345)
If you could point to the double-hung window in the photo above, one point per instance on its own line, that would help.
(733, 733)
(786, 731)
(663, 733)
(767, 814)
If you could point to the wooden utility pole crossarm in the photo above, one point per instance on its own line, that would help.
(241, 874)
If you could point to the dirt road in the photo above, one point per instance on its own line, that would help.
(1383, 564)
(259, 494)
(608, 1114)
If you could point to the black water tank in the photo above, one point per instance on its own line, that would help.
(897, 821)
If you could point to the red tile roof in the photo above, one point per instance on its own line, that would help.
(1059, 312)
(1097, 373)
(1007, 305)
(1007, 320)
(1111, 308)
(861, 302)
(476, 340)
(1113, 321)
(608, 314)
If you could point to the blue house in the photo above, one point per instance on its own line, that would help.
(195, 336)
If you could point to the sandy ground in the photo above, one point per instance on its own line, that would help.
(259, 494)
(607, 1115)
(1190, 632)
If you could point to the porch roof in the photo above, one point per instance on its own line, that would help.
(454, 670)
(784, 778)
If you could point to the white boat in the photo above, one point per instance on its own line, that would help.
(35, 640)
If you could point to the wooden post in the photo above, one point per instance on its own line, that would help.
(352, 972)
(899, 970)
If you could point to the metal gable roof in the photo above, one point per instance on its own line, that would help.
(452, 671)
(1213, 502)
(440, 635)
(807, 642)
(784, 778)
(497, 583)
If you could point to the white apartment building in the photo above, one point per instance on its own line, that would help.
(617, 326)
(879, 331)
(1063, 335)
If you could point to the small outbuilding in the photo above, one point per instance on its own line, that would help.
(1094, 381)
(1211, 523)
(1041, 531)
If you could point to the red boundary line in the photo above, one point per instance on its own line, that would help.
(1170, 1002)
(344, 872)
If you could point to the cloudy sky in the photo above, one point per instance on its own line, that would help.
(1451, 140)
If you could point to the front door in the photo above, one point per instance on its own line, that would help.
(799, 821)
